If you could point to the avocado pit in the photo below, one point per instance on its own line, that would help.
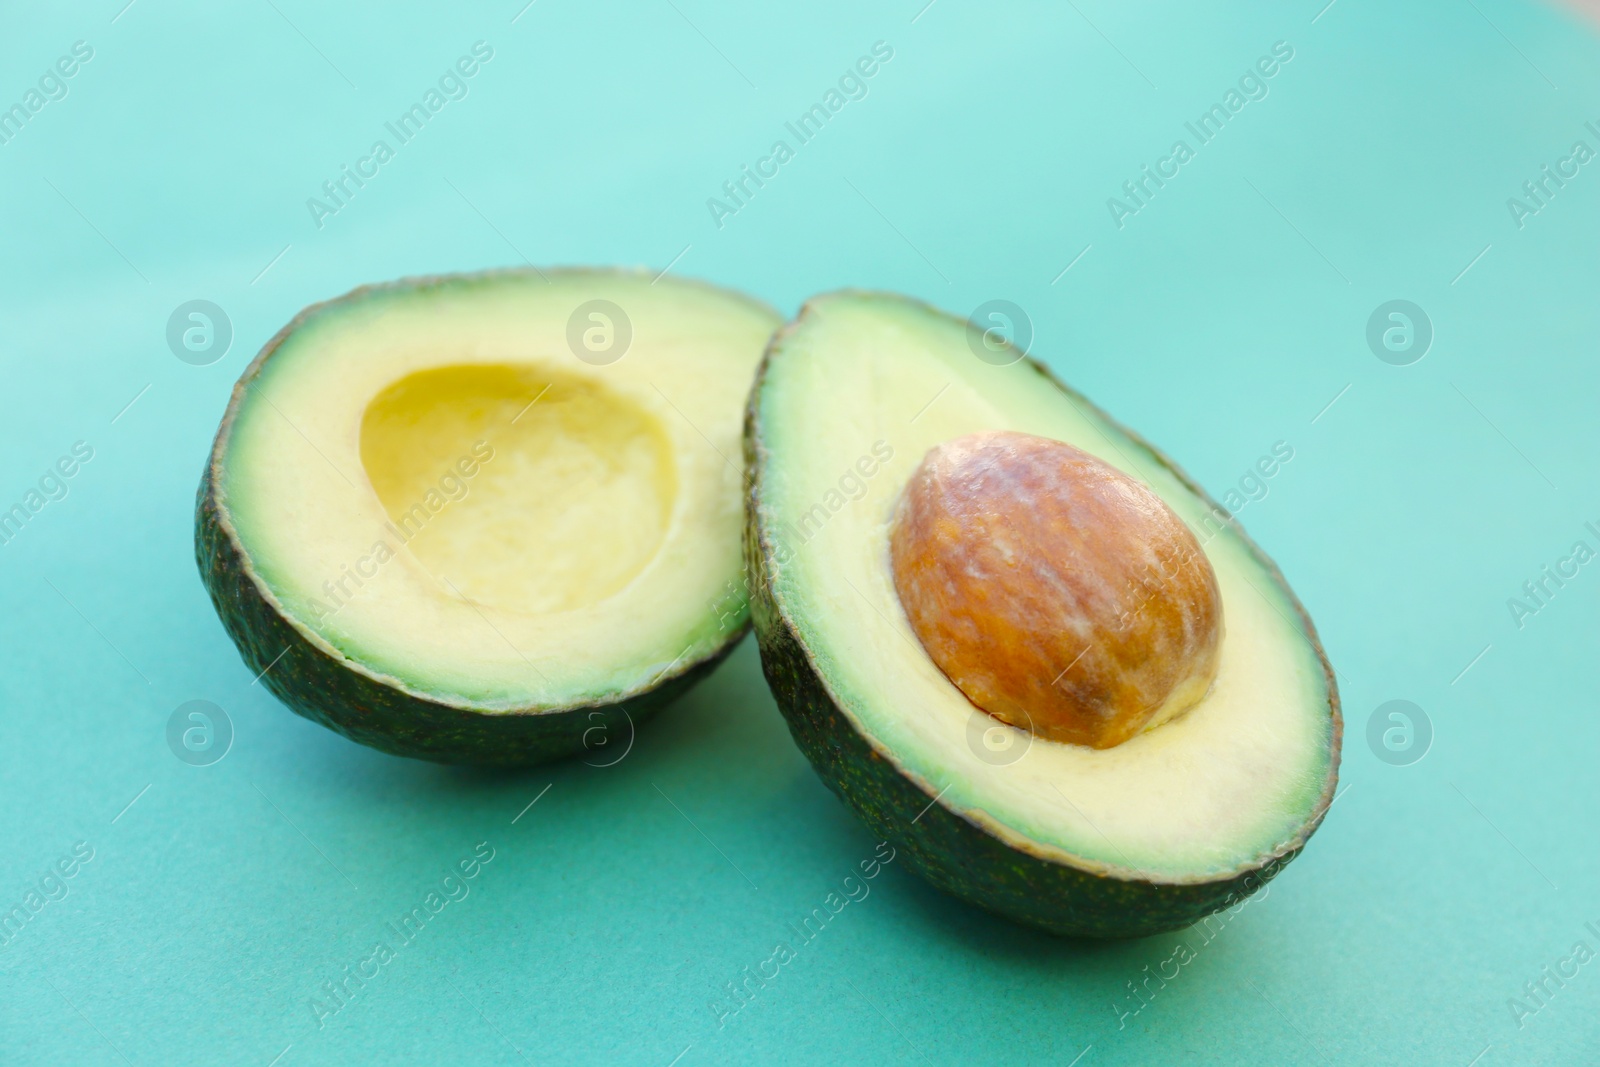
(1058, 594)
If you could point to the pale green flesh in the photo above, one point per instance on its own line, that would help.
(1230, 782)
(594, 553)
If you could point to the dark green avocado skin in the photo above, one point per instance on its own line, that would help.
(326, 690)
(333, 691)
(955, 854)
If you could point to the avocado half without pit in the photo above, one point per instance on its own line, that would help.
(1016, 639)
(488, 518)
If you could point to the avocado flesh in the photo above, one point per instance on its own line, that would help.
(1147, 835)
(468, 544)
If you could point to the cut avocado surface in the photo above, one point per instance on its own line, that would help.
(1150, 834)
(487, 518)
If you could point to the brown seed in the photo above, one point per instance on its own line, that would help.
(1059, 594)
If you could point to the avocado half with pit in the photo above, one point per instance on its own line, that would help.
(1018, 641)
(487, 518)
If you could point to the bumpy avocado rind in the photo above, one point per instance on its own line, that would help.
(315, 680)
(318, 683)
(952, 852)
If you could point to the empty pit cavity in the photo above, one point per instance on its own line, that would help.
(518, 487)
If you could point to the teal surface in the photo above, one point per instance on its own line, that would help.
(1224, 316)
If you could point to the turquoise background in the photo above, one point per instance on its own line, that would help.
(1222, 318)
